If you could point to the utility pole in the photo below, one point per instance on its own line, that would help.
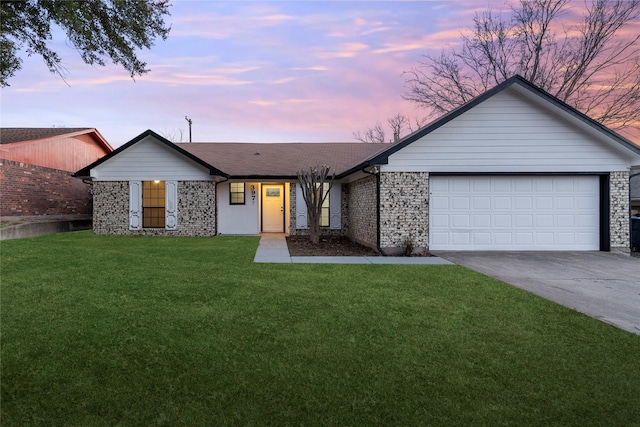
(189, 121)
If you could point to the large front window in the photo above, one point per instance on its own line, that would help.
(153, 204)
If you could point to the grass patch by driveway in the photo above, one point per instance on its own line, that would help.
(101, 330)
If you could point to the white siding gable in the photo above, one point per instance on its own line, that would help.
(149, 159)
(509, 133)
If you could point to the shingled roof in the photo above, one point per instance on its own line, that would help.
(11, 135)
(281, 160)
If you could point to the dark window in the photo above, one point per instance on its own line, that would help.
(236, 193)
(153, 204)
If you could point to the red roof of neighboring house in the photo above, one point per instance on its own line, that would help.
(11, 135)
(56, 148)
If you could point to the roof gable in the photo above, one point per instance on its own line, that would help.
(86, 171)
(24, 135)
(533, 92)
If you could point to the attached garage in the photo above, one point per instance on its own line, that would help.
(514, 212)
(513, 169)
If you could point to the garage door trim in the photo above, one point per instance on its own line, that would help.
(604, 196)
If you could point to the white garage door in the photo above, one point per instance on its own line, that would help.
(514, 213)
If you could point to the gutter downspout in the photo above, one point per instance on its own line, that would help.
(226, 178)
(377, 175)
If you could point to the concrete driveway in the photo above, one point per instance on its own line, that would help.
(603, 285)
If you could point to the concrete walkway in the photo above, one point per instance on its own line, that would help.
(273, 248)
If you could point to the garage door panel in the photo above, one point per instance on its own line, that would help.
(565, 203)
(461, 238)
(481, 221)
(481, 203)
(482, 185)
(523, 203)
(439, 221)
(501, 221)
(481, 238)
(544, 221)
(524, 221)
(439, 238)
(461, 203)
(461, 221)
(502, 203)
(544, 202)
(544, 239)
(439, 202)
(514, 213)
(502, 239)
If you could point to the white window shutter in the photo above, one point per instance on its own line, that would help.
(301, 209)
(171, 207)
(335, 207)
(135, 205)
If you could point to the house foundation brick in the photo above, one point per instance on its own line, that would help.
(363, 217)
(404, 210)
(196, 209)
(619, 211)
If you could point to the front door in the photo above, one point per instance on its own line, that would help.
(273, 208)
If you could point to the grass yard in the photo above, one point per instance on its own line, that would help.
(103, 331)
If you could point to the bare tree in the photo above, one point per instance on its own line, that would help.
(315, 186)
(173, 135)
(374, 135)
(399, 124)
(591, 66)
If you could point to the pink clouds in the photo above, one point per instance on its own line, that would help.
(251, 71)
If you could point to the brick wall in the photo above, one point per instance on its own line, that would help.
(619, 214)
(404, 213)
(363, 215)
(196, 209)
(36, 190)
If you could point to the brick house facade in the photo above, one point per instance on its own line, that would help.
(36, 166)
(460, 183)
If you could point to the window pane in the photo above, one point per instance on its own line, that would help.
(236, 191)
(324, 217)
(153, 203)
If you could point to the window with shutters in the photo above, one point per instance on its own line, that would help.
(153, 204)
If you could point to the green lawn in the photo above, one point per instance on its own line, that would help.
(103, 331)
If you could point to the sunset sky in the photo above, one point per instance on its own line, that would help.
(247, 71)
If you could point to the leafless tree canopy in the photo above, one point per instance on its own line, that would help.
(311, 183)
(589, 65)
(399, 124)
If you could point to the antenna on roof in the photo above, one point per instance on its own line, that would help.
(189, 121)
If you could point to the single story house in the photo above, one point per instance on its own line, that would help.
(36, 165)
(513, 169)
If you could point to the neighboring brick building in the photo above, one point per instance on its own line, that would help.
(36, 165)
